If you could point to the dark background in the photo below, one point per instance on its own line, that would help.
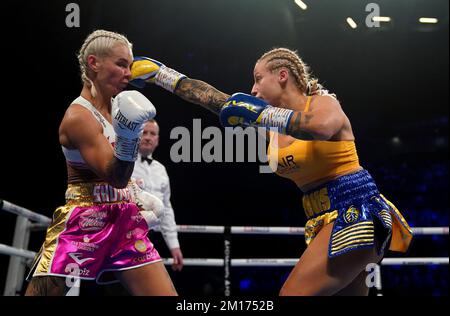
(392, 82)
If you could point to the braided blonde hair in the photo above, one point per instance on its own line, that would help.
(285, 58)
(98, 43)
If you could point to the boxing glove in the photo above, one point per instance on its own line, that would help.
(246, 110)
(149, 70)
(130, 110)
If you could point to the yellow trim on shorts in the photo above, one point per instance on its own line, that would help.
(58, 225)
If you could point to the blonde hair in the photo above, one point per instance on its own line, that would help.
(98, 43)
(285, 58)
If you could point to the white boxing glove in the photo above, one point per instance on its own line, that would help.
(130, 110)
(151, 207)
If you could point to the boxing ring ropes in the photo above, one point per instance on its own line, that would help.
(28, 221)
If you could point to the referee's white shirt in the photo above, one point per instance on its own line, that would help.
(155, 180)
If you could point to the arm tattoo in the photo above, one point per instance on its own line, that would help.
(201, 93)
(295, 129)
(119, 172)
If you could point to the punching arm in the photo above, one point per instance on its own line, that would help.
(201, 93)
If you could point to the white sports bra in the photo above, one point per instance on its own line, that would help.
(73, 156)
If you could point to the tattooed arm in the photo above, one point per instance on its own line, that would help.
(198, 92)
(319, 124)
(298, 127)
(201, 93)
(324, 121)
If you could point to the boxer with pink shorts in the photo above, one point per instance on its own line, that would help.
(98, 231)
(101, 232)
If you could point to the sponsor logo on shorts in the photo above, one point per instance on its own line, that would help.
(85, 245)
(351, 215)
(145, 258)
(136, 233)
(92, 220)
(140, 246)
(85, 272)
(77, 257)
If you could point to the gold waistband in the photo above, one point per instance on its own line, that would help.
(97, 192)
(316, 202)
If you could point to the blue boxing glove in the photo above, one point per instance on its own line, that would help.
(241, 109)
(245, 110)
(145, 70)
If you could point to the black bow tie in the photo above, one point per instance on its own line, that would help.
(149, 160)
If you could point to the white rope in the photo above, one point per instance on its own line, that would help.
(259, 262)
(266, 230)
(201, 229)
(430, 230)
(256, 262)
(18, 210)
(197, 262)
(414, 261)
(289, 262)
(11, 251)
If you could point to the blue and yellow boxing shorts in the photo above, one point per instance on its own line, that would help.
(363, 218)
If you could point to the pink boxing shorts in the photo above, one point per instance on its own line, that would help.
(97, 232)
